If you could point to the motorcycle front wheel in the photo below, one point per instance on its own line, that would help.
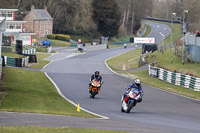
(122, 109)
(130, 105)
(93, 93)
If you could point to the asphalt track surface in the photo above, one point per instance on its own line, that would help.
(160, 111)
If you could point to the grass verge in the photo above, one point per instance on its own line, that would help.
(177, 32)
(122, 39)
(36, 129)
(125, 61)
(14, 55)
(155, 82)
(126, 38)
(164, 61)
(40, 59)
(31, 91)
(40, 49)
(54, 42)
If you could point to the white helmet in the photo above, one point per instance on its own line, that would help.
(137, 83)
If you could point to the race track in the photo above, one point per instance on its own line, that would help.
(160, 110)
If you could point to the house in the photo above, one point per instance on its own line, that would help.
(39, 21)
(14, 29)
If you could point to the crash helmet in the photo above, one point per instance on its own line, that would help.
(137, 82)
(96, 74)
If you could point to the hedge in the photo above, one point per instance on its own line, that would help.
(59, 37)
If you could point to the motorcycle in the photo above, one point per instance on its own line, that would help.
(94, 87)
(128, 102)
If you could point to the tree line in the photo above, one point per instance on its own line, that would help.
(165, 9)
(93, 18)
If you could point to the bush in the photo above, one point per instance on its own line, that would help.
(61, 37)
(51, 36)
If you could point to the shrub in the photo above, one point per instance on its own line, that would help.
(59, 37)
(51, 36)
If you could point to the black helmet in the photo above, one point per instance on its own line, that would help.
(137, 83)
(96, 74)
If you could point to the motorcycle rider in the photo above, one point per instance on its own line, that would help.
(136, 84)
(96, 76)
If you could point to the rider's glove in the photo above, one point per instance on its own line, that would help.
(141, 93)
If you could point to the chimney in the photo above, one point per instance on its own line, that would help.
(45, 8)
(32, 7)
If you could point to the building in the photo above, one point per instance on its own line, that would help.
(14, 29)
(39, 21)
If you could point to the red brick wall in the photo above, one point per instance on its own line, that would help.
(30, 17)
(40, 27)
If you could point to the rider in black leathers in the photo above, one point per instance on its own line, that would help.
(97, 76)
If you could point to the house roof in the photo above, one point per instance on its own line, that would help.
(42, 14)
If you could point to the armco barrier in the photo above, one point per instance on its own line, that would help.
(179, 79)
(10, 61)
(90, 48)
(163, 20)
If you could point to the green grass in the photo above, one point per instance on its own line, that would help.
(122, 39)
(164, 61)
(177, 32)
(36, 129)
(53, 51)
(40, 60)
(130, 59)
(59, 43)
(40, 49)
(148, 31)
(31, 91)
(110, 45)
(155, 82)
(12, 55)
(126, 38)
(83, 38)
(54, 42)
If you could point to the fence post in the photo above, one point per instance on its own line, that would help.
(178, 51)
(195, 57)
(186, 56)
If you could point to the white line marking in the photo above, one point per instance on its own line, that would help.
(47, 64)
(57, 88)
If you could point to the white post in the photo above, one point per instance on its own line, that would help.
(2, 29)
(173, 14)
(185, 11)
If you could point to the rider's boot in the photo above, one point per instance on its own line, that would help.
(140, 100)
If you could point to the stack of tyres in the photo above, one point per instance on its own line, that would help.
(32, 58)
(18, 62)
(19, 46)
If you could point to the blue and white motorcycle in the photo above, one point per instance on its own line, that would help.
(130, 100)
